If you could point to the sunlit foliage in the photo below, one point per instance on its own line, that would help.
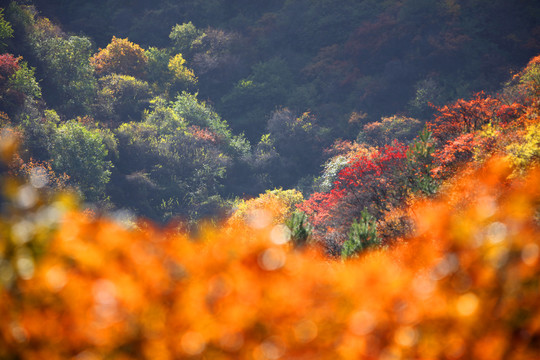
(392, 128)
(373, 181)
(24, 81)
(464, 117)
(422, 248)
(461, 137)
(274, 206)
(342, 153)
(526, 153)
(180, 71)
(121, 56)
(529, 78)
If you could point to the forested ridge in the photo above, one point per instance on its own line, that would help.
(266, 180)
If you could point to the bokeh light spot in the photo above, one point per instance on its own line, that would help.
(467, 304)
(39, 177)
(305, 331)
(25, 264)
(272, 259)
(362, 323)
(496, 232)
(193, 343)
(232, 341)
(529, 254)
(26, 196)
(22, 231)
(406, 336)
(259, 219)
(56, 278)
(271, 349)
(280, 234)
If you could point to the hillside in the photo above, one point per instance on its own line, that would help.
(173, 79)
(297, 180)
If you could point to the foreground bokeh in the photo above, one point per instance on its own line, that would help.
(466, 286)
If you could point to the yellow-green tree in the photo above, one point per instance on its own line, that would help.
(180, 71)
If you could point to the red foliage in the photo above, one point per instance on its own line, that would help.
(320, 206)
(370, 181)
(466, 116)
(458, 129)
(455, 153)
(8, 65)
(509, 113)
(385, 160)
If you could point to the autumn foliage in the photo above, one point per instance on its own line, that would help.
(120, 57)
(386, 179)
(369, 181)
(78, 285)
(8, 65)
(464, 116)
(419, 240)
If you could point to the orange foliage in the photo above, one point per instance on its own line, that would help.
(38, 173)
(202, 134)
(465, 287)
(120, 57)
(348, 149)
(464, 117)
(272, 207)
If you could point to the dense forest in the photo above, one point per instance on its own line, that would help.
(272, 179)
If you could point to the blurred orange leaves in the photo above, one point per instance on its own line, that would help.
(466, 286)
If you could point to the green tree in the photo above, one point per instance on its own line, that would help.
(299, 141)
(164, 118)
(69, 78)
(82, 154)
(253, 98)
(300, 228)
(362, 236)
(17, 84)
(24, 80)
(183, 37)
(121, 98)
(158, 73)
(6, 31)
(39, 129)
(199, 113)
(420, 164)
(164, 175)
(62, 61)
